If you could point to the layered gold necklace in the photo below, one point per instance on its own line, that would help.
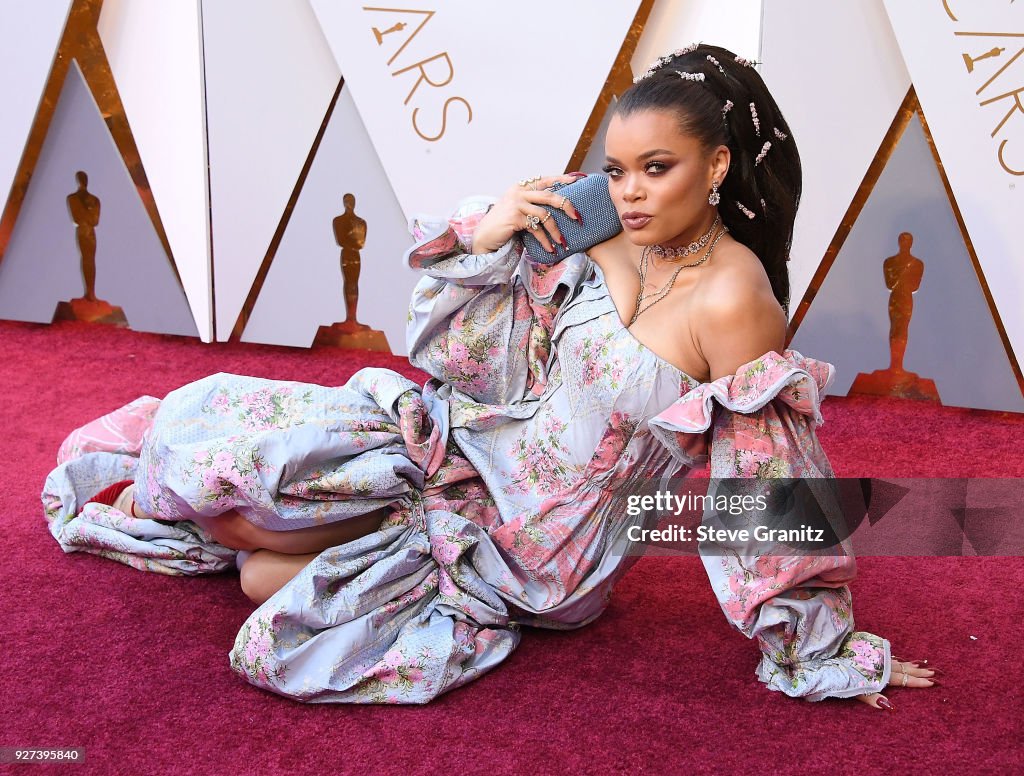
(663, 292)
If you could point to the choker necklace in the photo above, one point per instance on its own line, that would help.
(664, 252)
(663, 292)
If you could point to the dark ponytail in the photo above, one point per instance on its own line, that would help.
(713, 100)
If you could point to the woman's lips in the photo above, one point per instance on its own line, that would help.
(635, 220)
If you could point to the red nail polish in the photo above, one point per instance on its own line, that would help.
(884, 703)
(935, 683)
(579, 217)
(577, 174)
(937, 671)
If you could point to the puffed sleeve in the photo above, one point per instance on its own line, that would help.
(760, 423)
(482, 323)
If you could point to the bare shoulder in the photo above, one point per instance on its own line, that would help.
(737, 317)
(736, 284)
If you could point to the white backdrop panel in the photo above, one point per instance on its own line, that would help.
(990, 197)
(304, 289)
(155, 53)
(512, 96)
(733, 24)
(270, 77)
(43, 265)
(33, 32)
(839, 79)
(953, 339)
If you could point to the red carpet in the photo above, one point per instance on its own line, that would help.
(134, 666)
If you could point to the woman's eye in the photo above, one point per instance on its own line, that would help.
(651, 168)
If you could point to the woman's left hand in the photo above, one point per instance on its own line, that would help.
(521, 201)
(905, 673)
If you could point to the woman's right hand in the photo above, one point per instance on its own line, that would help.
(508, 215)
(904, 673)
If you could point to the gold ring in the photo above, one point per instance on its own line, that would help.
(562, 206)
(905, 678)
(533, 222)
(546, 217)
(527, 181)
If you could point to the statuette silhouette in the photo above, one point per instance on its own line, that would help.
(85, 212)
(971, 61)
(350, 234)
(380, 35)
(903, 274)
(84, 209)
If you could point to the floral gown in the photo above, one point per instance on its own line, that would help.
(505, 475)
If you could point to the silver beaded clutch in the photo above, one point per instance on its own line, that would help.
(600, 220)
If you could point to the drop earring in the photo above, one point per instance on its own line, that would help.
(714, 197)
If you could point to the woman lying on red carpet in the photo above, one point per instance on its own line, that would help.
(397, 538)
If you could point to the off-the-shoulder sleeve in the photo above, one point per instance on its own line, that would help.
(482, 323)
(760, 423)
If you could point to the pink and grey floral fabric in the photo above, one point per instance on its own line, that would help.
(760, 423)
(504, 475)
(103, 452)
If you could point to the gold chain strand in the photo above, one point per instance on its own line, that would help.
(664, 291)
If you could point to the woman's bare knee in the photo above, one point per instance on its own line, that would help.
(265, 572)
(232, 530)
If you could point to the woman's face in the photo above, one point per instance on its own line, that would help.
(659, 178)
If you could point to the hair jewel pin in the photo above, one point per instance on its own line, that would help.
(779, 134)
(755, 119)
(717, 64)
(745, 62)
(745, 210)
(660, 62)
(647, 73)
(727, 107)
(764, 152)
(687, 76)
(653, 68)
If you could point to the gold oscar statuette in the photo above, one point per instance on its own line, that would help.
(350, 234)
(84, 208)
(903, 273)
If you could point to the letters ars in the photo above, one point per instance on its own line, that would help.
(989, 56)
(437, 70)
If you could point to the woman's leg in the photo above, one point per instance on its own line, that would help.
(265, 572)
(315, 538)
(232, 530)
